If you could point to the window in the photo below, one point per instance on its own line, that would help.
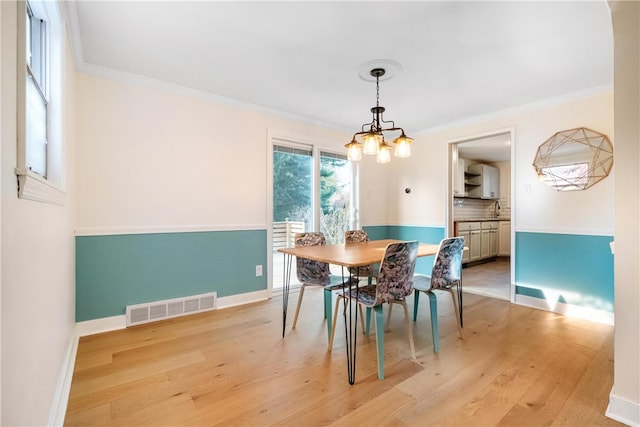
(36, 104)
(335, 196)
(297, 204)
(39, 162)
(311, 189)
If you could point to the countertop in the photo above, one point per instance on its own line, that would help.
(483, 219)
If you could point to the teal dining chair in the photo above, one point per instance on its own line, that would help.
(315, 273)
(393, 284)
(446, 275)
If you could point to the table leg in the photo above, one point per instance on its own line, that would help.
(351, 327)
(286, 282)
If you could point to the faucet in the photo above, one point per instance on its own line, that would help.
(496, 209)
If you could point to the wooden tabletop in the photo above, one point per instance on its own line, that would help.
(353, 254)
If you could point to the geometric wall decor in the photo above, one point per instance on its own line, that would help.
(574, 159)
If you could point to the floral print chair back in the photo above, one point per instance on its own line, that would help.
(359, 236)
(446, 275)
(315, 273)
(394, 282)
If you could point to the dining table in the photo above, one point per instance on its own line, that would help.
(349, 256)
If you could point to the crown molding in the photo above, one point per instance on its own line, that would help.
(572, 96)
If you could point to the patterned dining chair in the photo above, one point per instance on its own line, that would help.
(315, 273)
(446, 275)
(360, 236)
(393, 284)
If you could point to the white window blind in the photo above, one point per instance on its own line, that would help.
(36, 131)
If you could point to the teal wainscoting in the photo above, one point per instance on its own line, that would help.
(422, 234)
(566, 268)
(114, 271)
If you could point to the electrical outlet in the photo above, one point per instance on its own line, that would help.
(258, 270)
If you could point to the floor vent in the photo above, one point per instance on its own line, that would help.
(158, 310)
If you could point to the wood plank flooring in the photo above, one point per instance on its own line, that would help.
(515, 366)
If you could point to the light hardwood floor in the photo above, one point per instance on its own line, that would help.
(515, 366)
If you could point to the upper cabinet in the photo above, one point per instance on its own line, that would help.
(487, 180)
(477, 181)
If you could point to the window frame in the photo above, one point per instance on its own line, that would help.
(46, 186)
(280, 138)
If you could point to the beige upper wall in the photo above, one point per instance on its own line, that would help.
(156, 158)
(541, 209)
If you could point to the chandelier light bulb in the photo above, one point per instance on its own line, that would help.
(371, 142)
(384, 153)
(354, 151)
(403, 146)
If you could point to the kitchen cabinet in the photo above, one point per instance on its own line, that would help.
(472, 182)
(484, 243)
(505, 238)
(493, 242)
(465, 183)
(489, 239)
(471, 231)
(488, 182)
(481, 239)
(475, 241)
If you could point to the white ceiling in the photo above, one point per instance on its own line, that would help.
(493, 148)
(302, 59)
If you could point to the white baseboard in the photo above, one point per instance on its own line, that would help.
(105, 324)
(114, 323)
(63, 385)
(623, 410)
(586, 313)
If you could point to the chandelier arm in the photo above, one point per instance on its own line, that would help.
(364, 132)
(393, 129)
(370, 125)
(393, 124)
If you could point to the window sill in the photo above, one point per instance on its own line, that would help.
(32, 186)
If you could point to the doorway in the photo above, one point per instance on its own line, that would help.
(480, 210)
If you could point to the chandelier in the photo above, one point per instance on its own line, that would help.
(370, 139)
